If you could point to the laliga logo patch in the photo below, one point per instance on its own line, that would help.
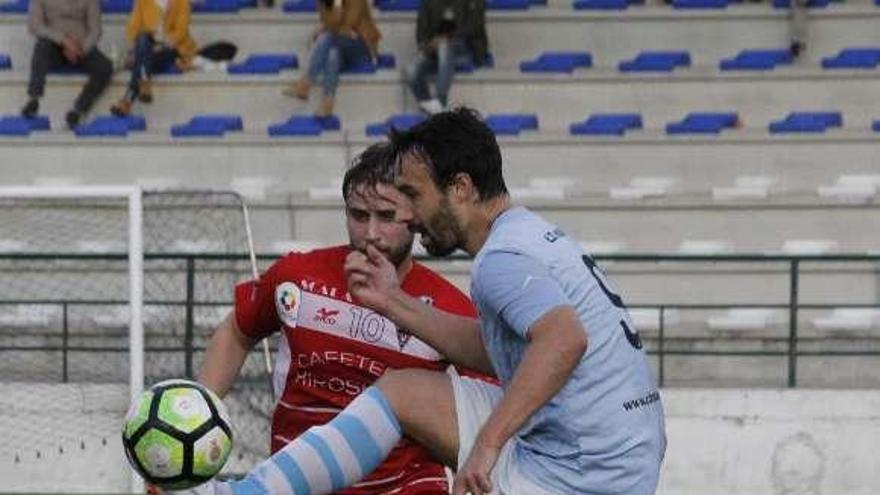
(287, 302)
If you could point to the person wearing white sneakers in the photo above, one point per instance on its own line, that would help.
(449, 33)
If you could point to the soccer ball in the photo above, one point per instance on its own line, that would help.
(177, 434)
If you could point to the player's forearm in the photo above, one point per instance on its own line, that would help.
(456, 337)
(556, 346)
(226, 354)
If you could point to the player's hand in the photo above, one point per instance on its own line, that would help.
(371, 277)
(475, 476)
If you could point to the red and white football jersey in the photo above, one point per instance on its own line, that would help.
(332, 349)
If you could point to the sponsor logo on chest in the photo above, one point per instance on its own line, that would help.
(301, 308)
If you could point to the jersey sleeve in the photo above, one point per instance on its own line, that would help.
(517, 288)
(255, 311)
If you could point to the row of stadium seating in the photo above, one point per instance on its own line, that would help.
(559, 62)
(513, 124)
(308, 6)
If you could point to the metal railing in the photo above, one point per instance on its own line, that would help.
(661, 351)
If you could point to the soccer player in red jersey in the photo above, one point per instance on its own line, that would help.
(332, 348)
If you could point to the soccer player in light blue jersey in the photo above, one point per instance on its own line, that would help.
(577, 410)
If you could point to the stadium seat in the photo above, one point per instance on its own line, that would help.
(305, 125)
(744, 319)
(816, 122)
(383, 61)
(331, 191)
(401, 122)
(508, 4)
(398, 5)
(216, 6)
(643, 187)
(648, 319)
(848, 320)
(265, 63)
(300, 6)
(745, 187)
(14, 7)
(812, 4)
(607, 124)
(194, 246)
(468, 66)
(252, 188)
(656, 62)
(14, 125)
(757, 60)
(704, 123)
(700, 4)
(111, 126)
(602, 247)
(701, 246)
(565, 62)
(512, 124)
(116, 6)
(29, 315)
(853, 58)
(5, 62)
(809, 246)
(602, 4)
(208, 126)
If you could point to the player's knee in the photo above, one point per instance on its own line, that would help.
(399, 387)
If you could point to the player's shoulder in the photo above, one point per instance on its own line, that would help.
(315, 259)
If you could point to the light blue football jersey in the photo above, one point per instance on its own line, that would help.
(603, 433)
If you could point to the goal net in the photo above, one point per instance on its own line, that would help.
(103, 291)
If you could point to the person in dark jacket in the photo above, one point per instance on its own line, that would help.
(449, 32)
(67, 33)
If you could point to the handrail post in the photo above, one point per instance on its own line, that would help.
(65, 332)
(793, 323)
(188, 334)
(660, 347)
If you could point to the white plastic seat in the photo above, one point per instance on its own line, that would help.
(848, 319)
(744, 319)
(809, 246)
(691, 246)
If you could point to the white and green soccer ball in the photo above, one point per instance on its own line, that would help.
(177, 435)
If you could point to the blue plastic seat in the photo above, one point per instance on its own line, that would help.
(383, 61)
(399, 5)
(565, 62)
(305, 125)
(765, 59)
(812, 4)
(853, 58)
(5, 62)
(508, 4)
(656, 62)
(704, 123)
(14, 7)
(468, 66)
(300, 6)
(265, 63)
(208, 125)
(111, 126)
(601, 4)
(607, 124)
(15, 125)
(216, 6)
(700, 4)
(511, 124)
(116, 6)
(400, 122)
(816, 122)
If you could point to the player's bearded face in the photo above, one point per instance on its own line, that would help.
(432, 214)
(440, 232)
(378, 216)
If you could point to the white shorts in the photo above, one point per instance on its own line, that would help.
(474, 402)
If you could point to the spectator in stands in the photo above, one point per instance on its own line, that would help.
(346, 37)
(448, 32)
(67, 33)
(158, 33)
(798, 27)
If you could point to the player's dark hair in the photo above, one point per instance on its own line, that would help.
(374, 166)
(453, 142)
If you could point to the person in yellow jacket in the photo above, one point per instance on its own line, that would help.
(158, 34)
(347, 36)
